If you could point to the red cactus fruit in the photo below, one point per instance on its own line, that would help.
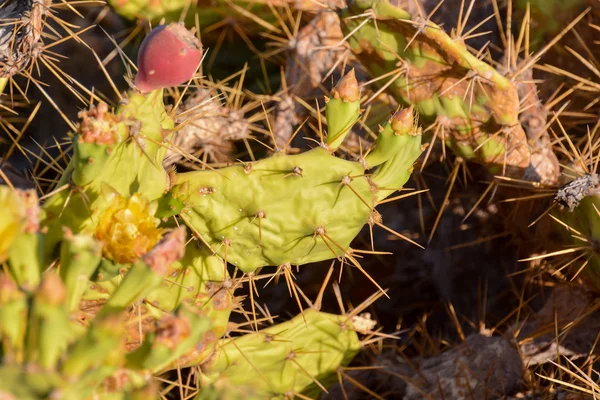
(168, 56)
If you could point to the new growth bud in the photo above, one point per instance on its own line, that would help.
(347, 88)
(171, 248)
(403, 121)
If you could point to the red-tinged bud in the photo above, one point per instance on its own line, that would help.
(98, 125)
(31, 204)
(169, 56)
(171, 248)
(8, 291)
(403, 121)
(347, 88)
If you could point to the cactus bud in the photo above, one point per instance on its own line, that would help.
(347, 88)
(170, 249)
(403, 121)
(8, 290)
(168, 56)
(342, 111)
(29, 200)
(99, 126)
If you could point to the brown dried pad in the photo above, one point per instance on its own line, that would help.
(20, 34)
(207, 130)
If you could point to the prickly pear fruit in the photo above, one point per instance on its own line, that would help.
(168, 56)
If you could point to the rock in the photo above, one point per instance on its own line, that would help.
(480, 368)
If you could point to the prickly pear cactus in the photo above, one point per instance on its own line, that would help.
(47, 353)
(474, 108)
(119, 291)
(298, 208)
(280, 357)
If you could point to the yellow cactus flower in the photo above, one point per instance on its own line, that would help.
(127, 228)
(12, 220)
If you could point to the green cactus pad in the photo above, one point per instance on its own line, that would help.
(271, 212)
(283, 359)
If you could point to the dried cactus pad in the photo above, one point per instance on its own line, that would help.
(169, 56)
(20, 34)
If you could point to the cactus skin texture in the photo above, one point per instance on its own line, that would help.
(117, 290)
(280, 356)
(151, 10)
(471, 102)
(12, 222)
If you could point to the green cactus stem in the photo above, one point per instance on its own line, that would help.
(475, 107)
(13, 320)
(48, 325)
(342, 111)
(12, 220)
(79, 258)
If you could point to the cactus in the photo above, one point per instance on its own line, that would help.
(246, 213)
(153, 11)
(119, 292)
(299, 356)
(26, 252)
(13, 222)
(549, 17)
(207, 12)
(72, 360)
(130, 275)
(474, 107)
